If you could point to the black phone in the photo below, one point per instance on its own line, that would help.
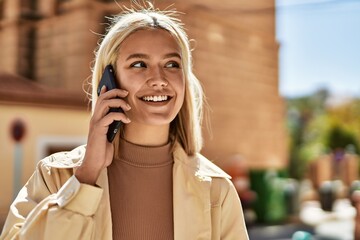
(108, 79)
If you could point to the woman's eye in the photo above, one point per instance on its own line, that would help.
(138, 65)
(172, 65)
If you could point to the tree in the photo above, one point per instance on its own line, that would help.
(316, 128)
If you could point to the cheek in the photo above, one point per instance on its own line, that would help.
(179, 83)
(123, 79)
(180, 98)
(183, 95)
(130, 82)
(182, 89)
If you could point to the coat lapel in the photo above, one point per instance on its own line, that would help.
(191, 196)
(103, 218)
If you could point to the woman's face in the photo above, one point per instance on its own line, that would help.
(149, 67)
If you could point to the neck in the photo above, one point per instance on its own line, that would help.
(146, 135)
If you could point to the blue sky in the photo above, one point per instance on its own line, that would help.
(319, 46)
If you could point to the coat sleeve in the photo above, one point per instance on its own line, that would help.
(232, 217)
(52, 205)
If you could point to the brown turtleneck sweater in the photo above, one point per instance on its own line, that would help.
(140, 185)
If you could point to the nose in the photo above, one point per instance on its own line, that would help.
(158, 82)
(157, 78)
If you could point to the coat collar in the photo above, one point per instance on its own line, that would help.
(202, 167)
(192, 178)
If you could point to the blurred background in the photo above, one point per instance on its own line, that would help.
(282, 79)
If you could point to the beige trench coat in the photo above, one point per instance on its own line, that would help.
(54, 205)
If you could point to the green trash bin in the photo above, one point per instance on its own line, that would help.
(269, 206)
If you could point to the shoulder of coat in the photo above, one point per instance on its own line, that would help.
(68, 159)
(202, 167)
(209, 169)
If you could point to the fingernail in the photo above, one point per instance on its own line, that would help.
(128, 106)
(128, 120)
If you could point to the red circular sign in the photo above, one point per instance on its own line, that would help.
(17, 130)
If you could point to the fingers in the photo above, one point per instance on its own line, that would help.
(114, 93)
(99, 127)
(102, 116)
(102, 90)
(114, 116)
(110, 99)
(104, 107)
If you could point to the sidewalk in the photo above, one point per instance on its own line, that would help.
(277, 232)
(339, 224)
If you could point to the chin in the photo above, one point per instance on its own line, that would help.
(158, 120)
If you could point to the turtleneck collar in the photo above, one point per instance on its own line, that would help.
(145, 156)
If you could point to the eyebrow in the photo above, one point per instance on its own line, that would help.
(145, 56)
(174, 54)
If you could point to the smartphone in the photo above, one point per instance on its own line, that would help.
(108, 79)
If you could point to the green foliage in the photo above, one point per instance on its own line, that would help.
(341, 138)
(315, 129)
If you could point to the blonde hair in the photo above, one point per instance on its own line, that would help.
(186, 127)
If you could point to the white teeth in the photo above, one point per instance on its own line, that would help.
(155, 98)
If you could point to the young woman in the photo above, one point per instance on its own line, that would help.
(150, 182)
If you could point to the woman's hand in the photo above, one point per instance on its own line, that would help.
(99, 152)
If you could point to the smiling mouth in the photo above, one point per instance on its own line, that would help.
(160, 98)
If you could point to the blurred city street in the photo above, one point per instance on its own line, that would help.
(282, 85)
